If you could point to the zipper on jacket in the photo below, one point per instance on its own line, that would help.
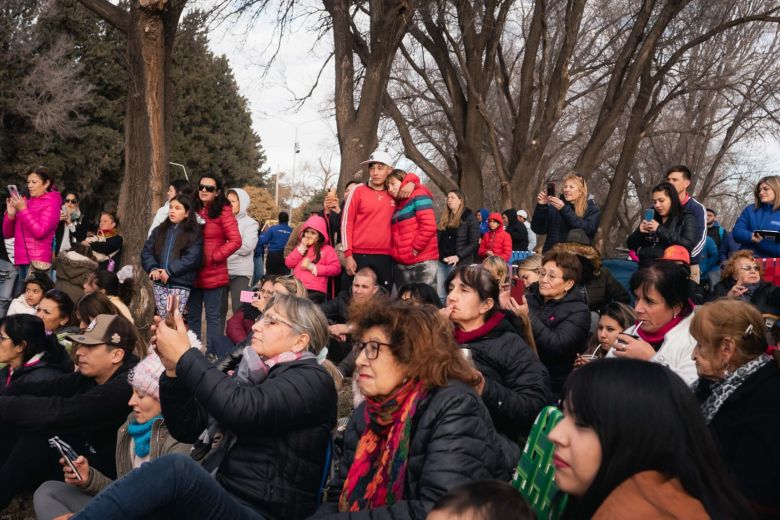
(170, 245)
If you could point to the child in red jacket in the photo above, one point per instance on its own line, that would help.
(496, 241)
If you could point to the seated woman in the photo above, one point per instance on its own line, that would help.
(57, 312)
(664, 312)
(528, 268)
(143, 437)
(601, 288)
(274, 416)
(35, 286)
(108, 283)
(632, 444)
(28, 353)
(613, 319)
(741, 279)
(559, 316)
(738, 387)
(422, 429)
(314, 261)
(106, 245)
(239, 326)
(670, 226)
(516, 384)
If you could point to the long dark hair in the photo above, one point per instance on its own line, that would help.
(647, 419)
(188, 229)
(317, 245)
(65, 305)
(28, 329)
(215, 209)
(479, 279)
(44, 174)
(109, 282)
(675, 211)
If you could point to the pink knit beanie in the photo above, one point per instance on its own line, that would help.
(145, 377)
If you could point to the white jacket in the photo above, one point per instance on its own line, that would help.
(19, 306)
(241, 263)
(531, 236)
(675, 351)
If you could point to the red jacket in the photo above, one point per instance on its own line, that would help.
(365, 222)
(413, 226)
(221, 239)
(327, 266)
(498, 241)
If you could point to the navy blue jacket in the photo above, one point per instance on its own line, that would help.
(181, 264)
(557, 224)
(275, 237)
(694, 208)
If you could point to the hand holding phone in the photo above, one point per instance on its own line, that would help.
(517, 291)
(13, 191)
(649, 214)
(68, 456)
(551, 189)
(248, 296)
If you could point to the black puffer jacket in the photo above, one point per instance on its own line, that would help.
(561, 329)
(453, 442)
(517, 385)
(766, 297)
(467, 243)
(516, 230)
(55, 363)
(282, 427)
(557, 224)
(680, 230)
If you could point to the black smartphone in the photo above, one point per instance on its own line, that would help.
(551, 189)
(67, 453)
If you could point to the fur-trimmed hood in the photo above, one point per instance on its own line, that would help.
(588, 255)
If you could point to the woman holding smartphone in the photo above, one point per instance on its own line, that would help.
(572, 218)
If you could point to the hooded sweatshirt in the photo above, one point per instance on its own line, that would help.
(314, 278)
(241, 263)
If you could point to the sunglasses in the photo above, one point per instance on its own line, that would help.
(750, 268)
(71, 201)
(210, 189)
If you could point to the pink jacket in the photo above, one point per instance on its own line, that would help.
(327, 266)
(33, 228)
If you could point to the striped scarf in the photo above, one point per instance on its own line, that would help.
(378, 472)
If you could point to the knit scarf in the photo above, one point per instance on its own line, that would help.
(108, 233)
(378, 472)
(656, 338)
(463, 337)
(142, 434)
(722, 390)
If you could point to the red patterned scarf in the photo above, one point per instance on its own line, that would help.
(378, 472)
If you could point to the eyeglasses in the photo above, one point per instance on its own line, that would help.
(71, 201)
(3, 338)
(204, 187)
(544, 273)
(265, 293)
(272, 319)
(371, 348)
(749, 268)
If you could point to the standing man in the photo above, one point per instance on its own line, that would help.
(365, 222)
(275, 238)
(714, 229)
(679, 176)
(522, 216)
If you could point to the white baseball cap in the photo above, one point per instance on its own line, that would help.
(379, 156)
(522, 213)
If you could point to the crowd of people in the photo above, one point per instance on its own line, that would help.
(373, 360)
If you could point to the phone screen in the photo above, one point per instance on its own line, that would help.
(13, 191)
(649, 214)
(551, 189)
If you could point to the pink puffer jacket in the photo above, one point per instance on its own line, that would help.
(33, 228)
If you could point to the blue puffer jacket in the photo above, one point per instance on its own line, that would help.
(182, 264)
(753, 219)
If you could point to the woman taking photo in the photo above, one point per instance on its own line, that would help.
(221, 239)
(172, 255)
(670, 226)
(664, 312)
(422, 430)
(573, 219)
(515, 384)
(31, 222)
(458, 238)
(314, 261)
(106, 245)
(633, 445)
(274, 415)
(738, 387)
(741, 279)
(764, 215)
(28, 353)
(72, 228)
(559, 316)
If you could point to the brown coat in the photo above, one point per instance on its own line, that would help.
(650, 495)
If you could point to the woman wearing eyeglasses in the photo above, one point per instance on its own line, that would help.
(274, 417)
(422, 429)
(221, 239)
(764, 215)
(71, 228)
(741, 279)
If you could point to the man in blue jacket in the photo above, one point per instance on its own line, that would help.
(274, 239)
(679, 176)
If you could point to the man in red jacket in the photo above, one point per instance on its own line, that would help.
(365, 222)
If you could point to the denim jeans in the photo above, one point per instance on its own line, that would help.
(7, 280)
(443, 272)
(259, 269)
(21, 276)
(212, 300)
(171, 486)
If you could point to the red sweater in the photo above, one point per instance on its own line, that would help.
(498, 241)
(414, 227)
(365, 222)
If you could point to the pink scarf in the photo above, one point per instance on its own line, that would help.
(656, 338)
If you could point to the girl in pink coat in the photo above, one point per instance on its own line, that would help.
(314, 261)
(31, 222)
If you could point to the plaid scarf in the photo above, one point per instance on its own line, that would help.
(378, 472)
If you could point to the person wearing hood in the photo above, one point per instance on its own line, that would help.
(314, 261)
(482, 218)
(572, 217)
(36, 285)
(458, 239)
(241, 263)
(764, 215)
(496, 241)
(516, 230)
(414, 246)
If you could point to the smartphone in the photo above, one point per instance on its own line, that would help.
(170, 306)
(13, 191)
(248, 296)
(67, 453)
(649, 214)
(551, 189)
(517, 291)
